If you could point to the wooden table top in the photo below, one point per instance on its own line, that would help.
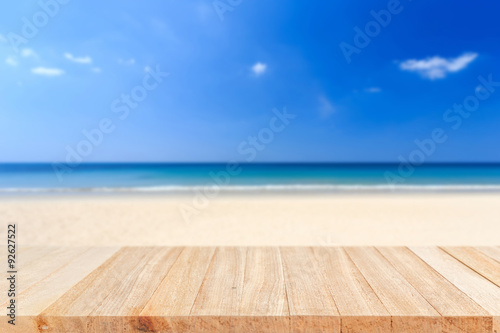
(255, 289)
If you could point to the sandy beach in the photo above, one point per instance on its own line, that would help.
(294, 219)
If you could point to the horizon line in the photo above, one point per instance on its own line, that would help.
(259, 163)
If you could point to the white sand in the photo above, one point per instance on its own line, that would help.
(350, 219)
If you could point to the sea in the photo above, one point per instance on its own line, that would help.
(256, 177)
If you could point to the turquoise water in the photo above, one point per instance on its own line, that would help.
(247, 177)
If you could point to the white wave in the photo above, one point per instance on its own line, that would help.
(263, 188)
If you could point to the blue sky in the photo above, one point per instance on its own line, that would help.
(225, 76)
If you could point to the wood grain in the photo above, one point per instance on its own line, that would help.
(131, 295)
(33, 300)
(312, 308)
(40, 265)
(409, 310)
(459, 312)
(256, 289)
(264, 306)
(492, 252)
(478, 288)
(169, 308)
(477, 261)
(224, 277)
(72, 311)
(359, 306)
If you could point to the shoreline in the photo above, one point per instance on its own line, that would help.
(258, 189)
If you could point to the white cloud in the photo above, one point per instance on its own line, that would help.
(45, 71)
(11, 61)
(79, 60)
(26, 53)
(373, 90)
(96, 69)
(128, 62)
(437, 67)
(259, 68)
(326, 108)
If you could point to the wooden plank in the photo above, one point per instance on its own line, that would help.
(264, 306)
(24, 257)
(409, 310)
(170, 306)
(39, 296)
(217, 304)
(71, 312)
(479, 289)
(459, 311)
(43, 266)
(121, 310)
(492, 252)
(360, 308)
(34, 267)
(312, 308)
(477, 261)
(233, 289)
